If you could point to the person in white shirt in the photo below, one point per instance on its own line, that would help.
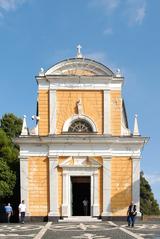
(22, 210)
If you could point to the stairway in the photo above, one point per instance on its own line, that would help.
(80, 219)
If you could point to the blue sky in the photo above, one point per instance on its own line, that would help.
(119, 33)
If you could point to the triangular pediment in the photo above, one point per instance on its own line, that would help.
(80, 162)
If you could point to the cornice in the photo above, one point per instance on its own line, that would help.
(81, 139)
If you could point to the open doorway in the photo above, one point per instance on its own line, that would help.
(81, 191)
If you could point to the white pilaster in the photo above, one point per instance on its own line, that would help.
(106, 186)
(136, 182)
(65, 204)
(106, 104)
(53, 186)
(52, 103)
(95, 195)
(24, 181)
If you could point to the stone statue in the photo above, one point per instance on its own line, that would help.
(79, 107)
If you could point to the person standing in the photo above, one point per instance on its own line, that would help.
(85, 206)
(22, 210)
(8, 211)
(131, 214)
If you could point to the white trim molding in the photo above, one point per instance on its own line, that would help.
(24, 182)
(136, 182)
(70, 82)
(68, 172)
(106, 186)
(69, 121)
(84, 64)
(53, 186)
(106, 118)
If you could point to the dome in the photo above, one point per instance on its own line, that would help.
(79, 66)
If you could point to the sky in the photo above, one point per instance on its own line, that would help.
(122, 34)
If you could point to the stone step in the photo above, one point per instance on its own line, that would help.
(80, 219)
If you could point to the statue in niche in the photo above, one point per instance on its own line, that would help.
(79, 107)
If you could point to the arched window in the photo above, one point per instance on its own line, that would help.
(80, 126)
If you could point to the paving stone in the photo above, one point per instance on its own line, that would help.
(101, 230)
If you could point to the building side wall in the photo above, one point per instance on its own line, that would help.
(116, 109)
(38, 186)
(121, 185)
(92, 102)
(43, 110)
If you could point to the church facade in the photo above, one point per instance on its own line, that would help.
(81, 147)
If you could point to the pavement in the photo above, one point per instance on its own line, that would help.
(97, 230)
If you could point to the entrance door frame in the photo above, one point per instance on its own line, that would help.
(68, 172)
(71, 193)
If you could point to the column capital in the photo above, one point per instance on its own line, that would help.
(95, 173)
(107, 158)
(136, 158)
(53, 157)
(23, 158)
(64, 173)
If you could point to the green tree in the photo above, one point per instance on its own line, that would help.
(11, 124)
(7, 175)
(9, 162)
(148, 204)
(7, 179)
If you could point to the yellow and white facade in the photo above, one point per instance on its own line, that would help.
(81, 146)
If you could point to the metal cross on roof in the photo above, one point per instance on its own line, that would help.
(79, 55)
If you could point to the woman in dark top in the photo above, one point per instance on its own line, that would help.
(131, 214)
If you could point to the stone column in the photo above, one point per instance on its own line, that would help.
(95, 195)
(52, 110)
(53, 186)
(136, 182)
(24, 182)
(106, 186)
(106, 104)
(65, 204)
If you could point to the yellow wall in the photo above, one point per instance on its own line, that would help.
(38, 186)
(92, 104)
(43, 108)
(116, 109)
(121, 181)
